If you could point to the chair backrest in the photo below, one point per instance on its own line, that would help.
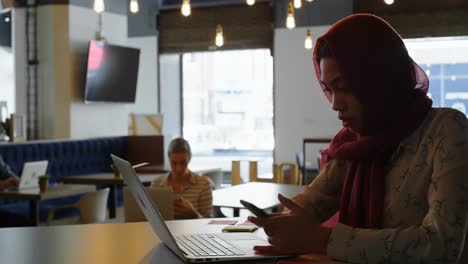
(293, 173)
(235, 172)
(162, 198)
(93, 206)
(265, 177)
(278, 173)
(216, 178)
(253, 172)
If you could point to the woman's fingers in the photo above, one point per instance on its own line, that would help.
(267, 224)
(292, 205)
(257, 221)
(266, 249)
(274, 241)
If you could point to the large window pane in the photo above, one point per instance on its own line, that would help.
(228, 103)
(445, 61)
(7, 91)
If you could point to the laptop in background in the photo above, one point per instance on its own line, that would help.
(30, 175)
(161, 196)
(191, 248)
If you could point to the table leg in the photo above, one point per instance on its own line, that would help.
(217, 212)
(304, 169)
(112, 202)
(235, 212)
(34, 212)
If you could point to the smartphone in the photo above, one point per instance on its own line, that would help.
(254, 209)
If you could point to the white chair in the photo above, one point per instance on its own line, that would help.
(162, 198)
(216, 178)
(92, 207)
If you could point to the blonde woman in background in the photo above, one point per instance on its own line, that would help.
(193, 197)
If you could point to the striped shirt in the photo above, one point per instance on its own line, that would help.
(197, 192)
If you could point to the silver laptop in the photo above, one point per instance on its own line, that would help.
(30, 175)
(191, 247)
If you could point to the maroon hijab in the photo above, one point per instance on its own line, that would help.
(377, 69)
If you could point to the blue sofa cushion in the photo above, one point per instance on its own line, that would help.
(68, 157)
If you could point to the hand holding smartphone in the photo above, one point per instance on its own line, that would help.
(254, 209)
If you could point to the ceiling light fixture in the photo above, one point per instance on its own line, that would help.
(185, 9)
(290, 20)
(297, 3)
(308, 43)
(219, 39)
(389, 2)
(134, 6)
(98, 6)
(251, 2)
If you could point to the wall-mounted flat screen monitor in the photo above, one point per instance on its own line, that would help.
(112, 73)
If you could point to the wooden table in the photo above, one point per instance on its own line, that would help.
(34, 196)
(108, 179)
(121, 243)
(263, 195)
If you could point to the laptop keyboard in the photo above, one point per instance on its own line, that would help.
(207, 245)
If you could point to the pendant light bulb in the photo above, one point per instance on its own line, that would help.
(98, 6)
(308, 43)
(389, 2)
(297, 3)
(251, 2)
(134, 6)
(290, 20)
(186, 10)
(219, 40)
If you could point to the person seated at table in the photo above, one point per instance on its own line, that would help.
(397, 172)
(7, 179)
(193, 196)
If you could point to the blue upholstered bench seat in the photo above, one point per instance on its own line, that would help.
(66, 158)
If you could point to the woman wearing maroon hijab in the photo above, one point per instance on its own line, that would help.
(394, 186)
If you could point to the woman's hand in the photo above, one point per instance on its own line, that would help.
(183, 209)
(298, 232)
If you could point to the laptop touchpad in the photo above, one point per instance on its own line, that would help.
(248, 243)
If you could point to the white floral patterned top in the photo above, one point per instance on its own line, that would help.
(426, 201)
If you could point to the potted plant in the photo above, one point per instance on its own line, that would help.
(43, 182)
(115, 170)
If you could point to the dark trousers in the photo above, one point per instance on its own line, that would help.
(8, 219)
